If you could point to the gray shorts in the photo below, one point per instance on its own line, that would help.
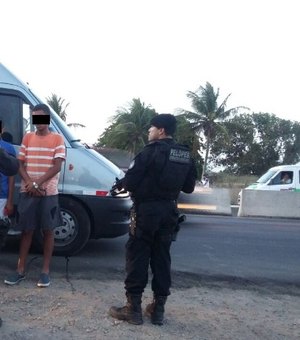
(38, 212)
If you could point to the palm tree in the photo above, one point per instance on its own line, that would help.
(57, 104)
(129, 130)
(208, 117)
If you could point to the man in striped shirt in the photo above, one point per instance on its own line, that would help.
(41, 155)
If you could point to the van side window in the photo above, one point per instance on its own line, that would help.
(11, 116)
(26, 119)
(286, 177)
(283, 177)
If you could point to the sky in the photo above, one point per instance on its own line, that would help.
(98, 55)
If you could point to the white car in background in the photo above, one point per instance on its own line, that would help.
(282, 177)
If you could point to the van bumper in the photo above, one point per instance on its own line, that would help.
(109, 215)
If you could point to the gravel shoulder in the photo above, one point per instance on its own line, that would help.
(77, 308)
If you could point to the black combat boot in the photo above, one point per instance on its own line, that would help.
(131, 312)
(156, 310)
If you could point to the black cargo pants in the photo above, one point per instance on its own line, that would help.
(150, 245)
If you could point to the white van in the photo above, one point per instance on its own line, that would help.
(88, 209)
(282, 177)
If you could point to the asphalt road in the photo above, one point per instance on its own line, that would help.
(254, 249)
(209, 247)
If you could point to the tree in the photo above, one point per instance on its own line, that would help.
(208, 117)
(257, 142)
(235, 154)
(187, 136)
(129, 128)
(292, 145)
(59, 106)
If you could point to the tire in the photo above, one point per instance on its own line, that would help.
(75, 232)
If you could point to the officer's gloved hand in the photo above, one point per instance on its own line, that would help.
(117, 186)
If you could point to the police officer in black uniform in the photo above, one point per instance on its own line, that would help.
(154, 179)
(9, 166)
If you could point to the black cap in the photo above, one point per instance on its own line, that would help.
(166, 121)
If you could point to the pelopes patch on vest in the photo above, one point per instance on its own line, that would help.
(179, 156)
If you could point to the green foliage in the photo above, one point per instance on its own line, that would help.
(257, 142)
(225, 180)
(129, 128)
(232, 182)
(208, 117)
(129, 131)
(239, 144)
(59, 106)
(187, 136)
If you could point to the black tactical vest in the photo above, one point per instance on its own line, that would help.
(172, 162)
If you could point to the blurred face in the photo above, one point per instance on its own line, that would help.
(155, 133)
(40, 127)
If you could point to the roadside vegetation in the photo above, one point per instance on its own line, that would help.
(59, 106)
(232, 182)
(231, 146)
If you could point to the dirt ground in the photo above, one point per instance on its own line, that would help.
(77, 308)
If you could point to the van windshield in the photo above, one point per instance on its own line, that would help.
(264, 178)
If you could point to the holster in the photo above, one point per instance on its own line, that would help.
(181, 219)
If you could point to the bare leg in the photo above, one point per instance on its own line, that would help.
(26, 240)
(48, 250)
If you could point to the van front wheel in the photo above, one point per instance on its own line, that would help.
(73, 234)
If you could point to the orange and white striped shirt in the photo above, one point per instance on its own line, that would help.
(38, 154)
